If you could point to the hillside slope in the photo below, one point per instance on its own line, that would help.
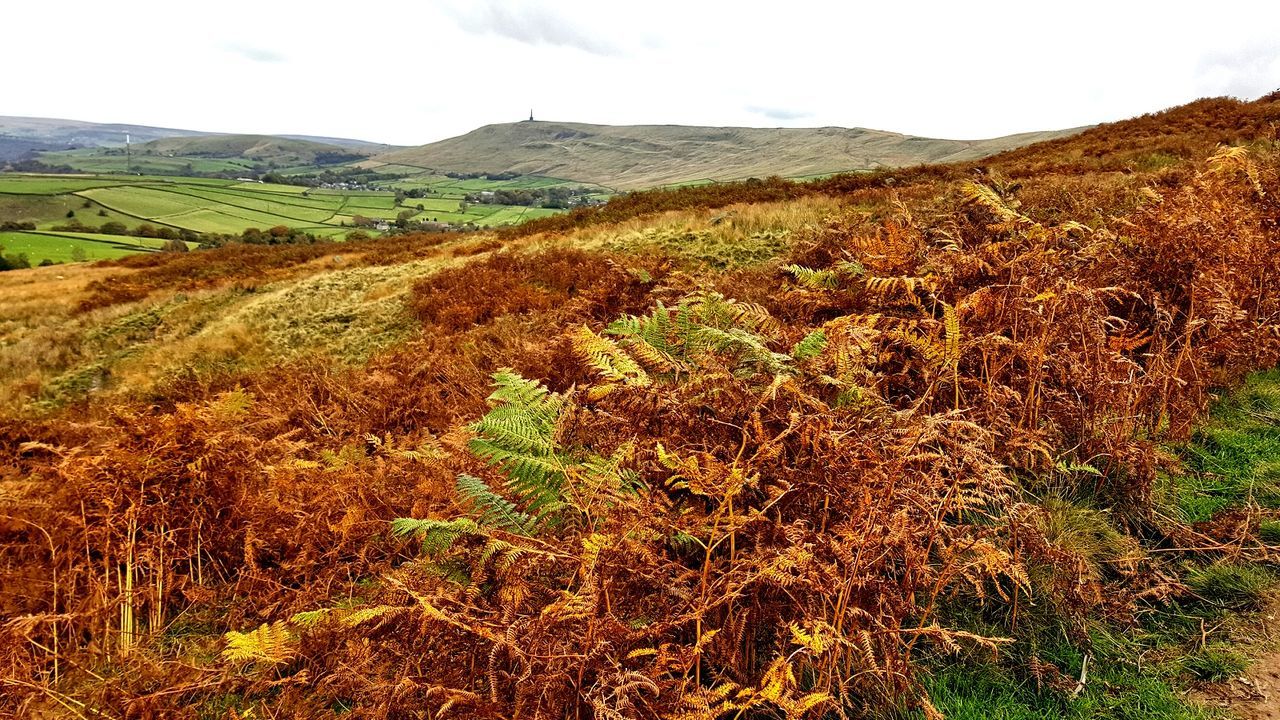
(919, 443)
(78, 132)
(636, 156)
(59, 131)
(252, 147)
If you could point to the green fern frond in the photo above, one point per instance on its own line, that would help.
(851, 268)
(681, 541)
(628, 326)
(657, 329)
(512, 389)
(810, 347)
(437, 536)
(686, 322)
(653, 340)
(536, 479)
(495, 510)
(518, 436)
(501, 554)
(311, 618)
(608, 476)
(654, 329)
(749, 348)
(516, 429)
(712, 309)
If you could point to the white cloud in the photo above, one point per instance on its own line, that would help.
(778, 113)
(256, 54)
(529, 23)
(1246, 71)
(413, 72)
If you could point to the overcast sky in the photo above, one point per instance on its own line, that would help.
(418, 71)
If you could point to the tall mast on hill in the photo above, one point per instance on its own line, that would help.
(530, 114)
(128, 154)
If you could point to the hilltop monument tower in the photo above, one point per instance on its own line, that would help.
(530, 114)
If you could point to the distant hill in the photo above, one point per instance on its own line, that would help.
(83, 134)
(636, 156)
(343, 142)
(18, 148)
(281, 150)
(78, 133)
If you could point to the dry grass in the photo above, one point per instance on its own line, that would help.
(56, 352)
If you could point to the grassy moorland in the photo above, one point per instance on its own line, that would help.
(975, 440)
(644, 156)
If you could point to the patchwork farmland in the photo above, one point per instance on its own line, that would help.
(63, 212)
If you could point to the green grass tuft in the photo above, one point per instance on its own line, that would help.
(1216, 663)
(1139, 672)
(1269, 531)
(1114, 690)
(1234, 459)
(1239, 587)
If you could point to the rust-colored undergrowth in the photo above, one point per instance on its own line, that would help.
(605, 485)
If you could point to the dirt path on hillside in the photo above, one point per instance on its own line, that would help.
(1254, 695)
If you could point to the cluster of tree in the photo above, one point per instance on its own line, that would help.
(416, 193)
(278, 235)
(144, 230)
(355, 178)
(178, 238)
(29, 165)
(553, 197)
(16, 262)
(21, 148)
(404, 223)
(337, 157)
(508, 175)
(10, 226)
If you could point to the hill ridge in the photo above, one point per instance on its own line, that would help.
(83, 132)
(636, 156)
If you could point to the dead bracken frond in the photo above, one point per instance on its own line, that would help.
(625, 486)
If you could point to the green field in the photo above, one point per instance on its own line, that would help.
(211, 205)
(61, 247)
(96, 160)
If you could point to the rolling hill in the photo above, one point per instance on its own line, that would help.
(83, 134)
(281, 150)
(636, 156)
(79, 133)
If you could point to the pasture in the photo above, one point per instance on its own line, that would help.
(53, 203)
(38, 246)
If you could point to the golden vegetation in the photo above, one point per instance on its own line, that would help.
(630, 481)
